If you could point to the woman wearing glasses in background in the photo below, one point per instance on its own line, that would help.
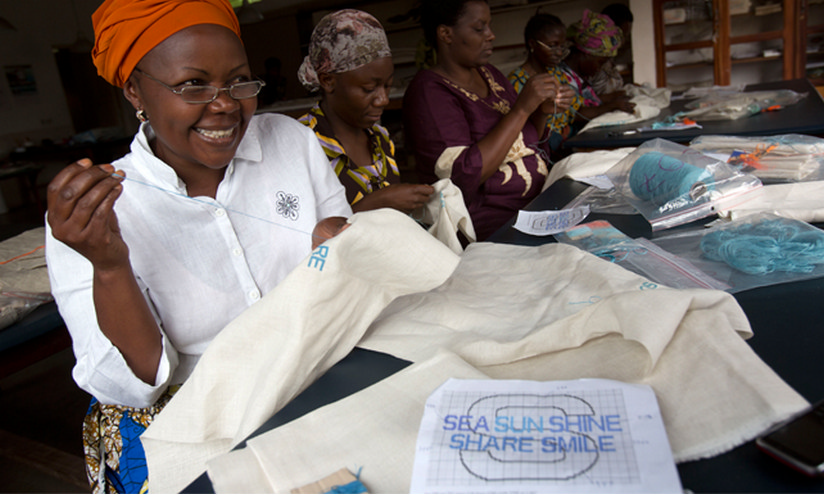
(466, 123)
(545, 36)
(216, 208)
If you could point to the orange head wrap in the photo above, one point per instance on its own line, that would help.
(126, 30)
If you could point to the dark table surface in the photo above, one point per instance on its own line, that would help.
(804, 117)
(785, 319)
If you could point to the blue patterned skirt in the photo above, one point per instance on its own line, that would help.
(115, 461)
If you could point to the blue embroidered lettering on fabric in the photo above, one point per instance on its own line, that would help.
(318, 258)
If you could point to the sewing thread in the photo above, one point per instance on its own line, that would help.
(214, 204)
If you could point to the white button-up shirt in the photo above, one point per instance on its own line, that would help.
(199, 261)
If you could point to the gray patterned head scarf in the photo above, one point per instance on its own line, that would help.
(342, 41)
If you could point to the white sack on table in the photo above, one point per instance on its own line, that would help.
(554, 312)
(282, 343)
(802, 201)
(378, 426)
(579, 166)
(538, 313)
(648, 104)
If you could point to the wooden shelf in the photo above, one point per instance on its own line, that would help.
(725, 34)
(751, 60)
(752, 38)
(692, 45)
(693, 65)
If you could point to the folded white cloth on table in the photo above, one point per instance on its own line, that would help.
(556, 312)
(278, 346)
(641, 112)
(23, 262)
(648, 104)
(655, 97)
(551, 312)
(582, 165)
(802, 201)
(378, 425)
(24, 279)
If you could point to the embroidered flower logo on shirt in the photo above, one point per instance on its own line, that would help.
(288, 205)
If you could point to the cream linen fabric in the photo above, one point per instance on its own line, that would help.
(278, 346)
(800, 201)
(580, 316)
(380, 433)
(446, 214)
(577, 316)
(648, 104)
(619, 117)
(582, 165)
(551, 312)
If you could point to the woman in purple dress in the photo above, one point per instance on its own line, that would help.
(465, 122)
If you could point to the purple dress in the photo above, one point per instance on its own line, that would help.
(443, 124)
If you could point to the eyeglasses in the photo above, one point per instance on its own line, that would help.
(208, 94)
(555, 47)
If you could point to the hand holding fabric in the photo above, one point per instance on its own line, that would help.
(402, 197)
(618, 100)
(327, 229)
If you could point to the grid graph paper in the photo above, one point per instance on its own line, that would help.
(573, 437)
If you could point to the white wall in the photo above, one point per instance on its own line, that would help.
(643, 42)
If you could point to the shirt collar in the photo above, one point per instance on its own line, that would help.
(249, 149)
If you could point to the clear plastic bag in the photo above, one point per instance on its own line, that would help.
(639, 256)
(783, 158)
(671, 184)
(732, 106)
(754, 251)
(15, 304)
(600, 200)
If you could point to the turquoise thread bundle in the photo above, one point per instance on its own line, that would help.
(768, 246)
(355, 486)
(660, 178)
(351, 487)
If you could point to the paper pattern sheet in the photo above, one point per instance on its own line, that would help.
(514, 436)
(543, 223)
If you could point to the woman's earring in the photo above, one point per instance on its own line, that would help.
(141, 115)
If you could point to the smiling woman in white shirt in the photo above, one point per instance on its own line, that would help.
(216, 208)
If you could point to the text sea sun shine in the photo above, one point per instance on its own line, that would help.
(541, 434)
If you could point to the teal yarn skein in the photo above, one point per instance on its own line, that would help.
(766, 247)
(660, 178)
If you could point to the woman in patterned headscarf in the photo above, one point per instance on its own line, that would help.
(146, 272)
(550, 51)
(350, 63)
(595, 41)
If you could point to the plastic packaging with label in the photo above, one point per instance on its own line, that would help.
(671, 184)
